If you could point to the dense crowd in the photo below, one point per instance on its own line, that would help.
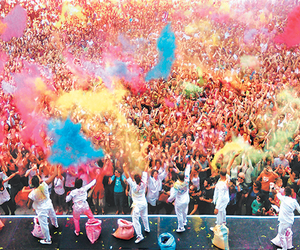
(169, 125)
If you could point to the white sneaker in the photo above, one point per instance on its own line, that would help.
(147, 230)
(181, 229)
(76, 233)
(45, 242)
(139, 239)
(211, 228)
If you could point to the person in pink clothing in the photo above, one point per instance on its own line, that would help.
(80, 206)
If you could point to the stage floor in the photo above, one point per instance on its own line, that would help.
(244, 233)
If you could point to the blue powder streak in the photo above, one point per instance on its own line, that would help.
(70, 147)
(166, 47)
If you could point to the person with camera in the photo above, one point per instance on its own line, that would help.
(266, 177)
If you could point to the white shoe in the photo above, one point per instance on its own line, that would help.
(147, 230)
(211, 228)
(139, 239)
(181, 229)
(45, 242)
(76, 233)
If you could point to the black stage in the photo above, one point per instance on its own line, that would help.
(244, 233)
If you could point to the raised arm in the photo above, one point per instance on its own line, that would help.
(126, 171)
(10, 177)
(88, 186)
(231, 162)
(51, 178)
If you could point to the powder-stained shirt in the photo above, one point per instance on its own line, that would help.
(40, 197)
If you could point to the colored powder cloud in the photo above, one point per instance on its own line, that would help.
(70, 147)
(291, 34)
(166, 47)
(228, 147)
(250, 35)
(199, 26)
(127, 71)
(3, 59)
(91, 102)
(27, 93)
(3, 27)
(125, 43)
(249, 61)
(69, 10)
(15, 23)
(191, 88)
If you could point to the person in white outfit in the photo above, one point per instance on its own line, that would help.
(221, 194)
(221, 197)
(139, 205)
(154, 187)
(39, 199)
(180, 192)
(80, 206)
(286, 214)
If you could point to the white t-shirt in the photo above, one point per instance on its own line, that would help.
(70, 180)
(40, 197)
(3, 177)
(80, 194)
(221, 195)
(138, 191)
(4, 196)
(180, 190)
(287, 207)
(154, 187)
(59, 185)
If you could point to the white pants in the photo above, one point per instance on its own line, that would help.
(137, 211)
(283, 227)
(181, 211)
(43, 220)
(221, 217)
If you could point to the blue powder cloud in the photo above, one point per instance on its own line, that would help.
(118, 69)
(70, 147)
(166, 47)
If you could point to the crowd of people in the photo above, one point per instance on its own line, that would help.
(169, 125)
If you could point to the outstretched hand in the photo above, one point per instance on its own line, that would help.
(55, 170)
